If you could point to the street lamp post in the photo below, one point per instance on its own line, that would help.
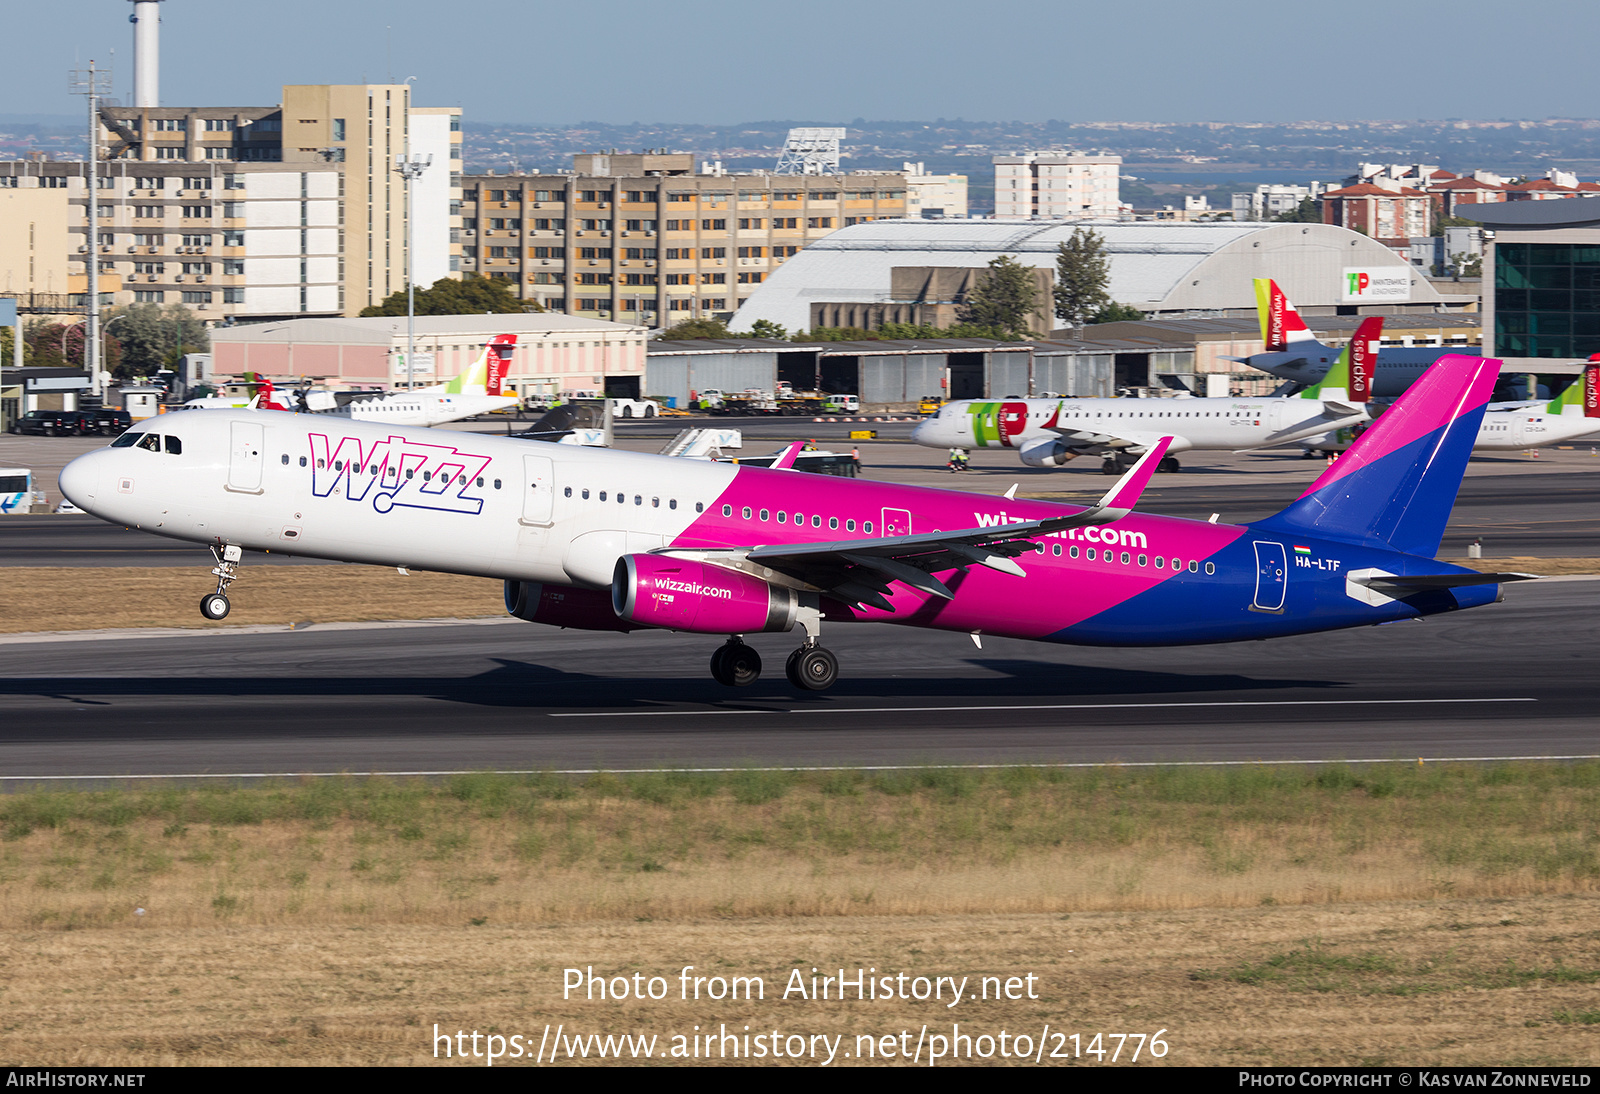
(410, 165)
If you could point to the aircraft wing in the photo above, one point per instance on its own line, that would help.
(1133, 440)
(1335, 415)
(860, 570)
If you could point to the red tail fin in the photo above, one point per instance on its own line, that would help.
(500, 349)
(1591, 390)
(1363, 359)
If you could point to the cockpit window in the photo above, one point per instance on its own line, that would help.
(174, 445)
(151, 441)
(127, 440)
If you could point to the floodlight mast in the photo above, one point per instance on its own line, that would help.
(810, 151)
(92, 83)
(410, 166)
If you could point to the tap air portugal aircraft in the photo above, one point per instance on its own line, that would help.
(1574, 413)
(1049, 432)
(607, 540)
(475, 391)
(1293, 352)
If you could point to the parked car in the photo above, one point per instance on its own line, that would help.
(105, 420)
(52, 423)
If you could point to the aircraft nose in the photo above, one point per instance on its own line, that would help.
(922, 433)
(83, 478)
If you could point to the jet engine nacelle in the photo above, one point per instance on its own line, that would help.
(563, 606)
(1046, 452)
(685, 595)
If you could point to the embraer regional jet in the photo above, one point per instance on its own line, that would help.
(608, 540)
(475, 391)
(1049, 432)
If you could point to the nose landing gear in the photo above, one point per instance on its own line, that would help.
(215, 605)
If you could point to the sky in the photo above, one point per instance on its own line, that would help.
(830, 61)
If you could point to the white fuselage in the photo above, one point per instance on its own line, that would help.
(1090, 426)
(326, 486)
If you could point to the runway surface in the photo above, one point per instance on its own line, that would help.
(1513, 679)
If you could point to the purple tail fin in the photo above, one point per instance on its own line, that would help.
(1396, 485)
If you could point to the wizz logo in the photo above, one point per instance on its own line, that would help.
(395, 471)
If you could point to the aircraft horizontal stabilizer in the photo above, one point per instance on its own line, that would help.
(1413, 583)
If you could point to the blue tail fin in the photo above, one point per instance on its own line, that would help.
(1395, 486)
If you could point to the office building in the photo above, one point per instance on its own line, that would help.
(643, 238)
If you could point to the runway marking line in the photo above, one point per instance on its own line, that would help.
(1031, 706)
(836, 767)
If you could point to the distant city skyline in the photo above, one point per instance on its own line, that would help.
(830, 61)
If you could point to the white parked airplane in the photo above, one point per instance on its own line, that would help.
(1572, 414)
(1049, 432)
(1294, 353)
(475, 391)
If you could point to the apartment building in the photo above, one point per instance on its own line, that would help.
(1056, 184)
(934, 197)
(641, 238)
(259, 212)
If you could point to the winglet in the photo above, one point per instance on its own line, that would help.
(1011, 495)
(786, 458)
(1125, 494)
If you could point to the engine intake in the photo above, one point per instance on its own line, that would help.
(563, 606)
(685, 595)
(1046, 452)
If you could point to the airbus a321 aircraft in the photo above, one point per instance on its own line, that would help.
(1293, 353)
(1049, 432)
(607, 540)
(475, 391)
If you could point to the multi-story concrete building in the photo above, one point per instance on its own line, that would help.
(1271, 199)
(1056, 184)
(932, 197)
(260, 212)
(641, 238)
(1385, 210)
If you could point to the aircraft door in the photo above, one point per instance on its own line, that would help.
(896, 522)
(246, 440)
(1272, 577)
(538, 490)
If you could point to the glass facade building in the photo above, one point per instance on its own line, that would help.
(1547, 300)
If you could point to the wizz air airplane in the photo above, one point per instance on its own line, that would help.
(1050, 432)
(476, 391)
(607, 540)
(1294, 353)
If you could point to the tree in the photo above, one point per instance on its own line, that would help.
(154, 337)
(1309, 211)
(767, 330)
(60, 345)
(691, 329)
(1004, 298)
(472, 295)
(1083, 270)
(1117, 313)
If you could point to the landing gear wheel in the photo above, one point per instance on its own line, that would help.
(1169, 464)
(812, 668)
(214, 606)
(735, 665)
(1109, 467)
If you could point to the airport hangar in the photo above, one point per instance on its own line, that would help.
(1185, 270)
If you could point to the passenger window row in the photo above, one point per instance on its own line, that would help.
(388, 471)
(1127, 558)
(622, 498)
(798, 519)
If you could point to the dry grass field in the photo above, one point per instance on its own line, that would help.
(1440, 914)
(170, 596)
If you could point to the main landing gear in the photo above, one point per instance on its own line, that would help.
(735, 664)
(1119, 462)
(215, 605)
(810, 667)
